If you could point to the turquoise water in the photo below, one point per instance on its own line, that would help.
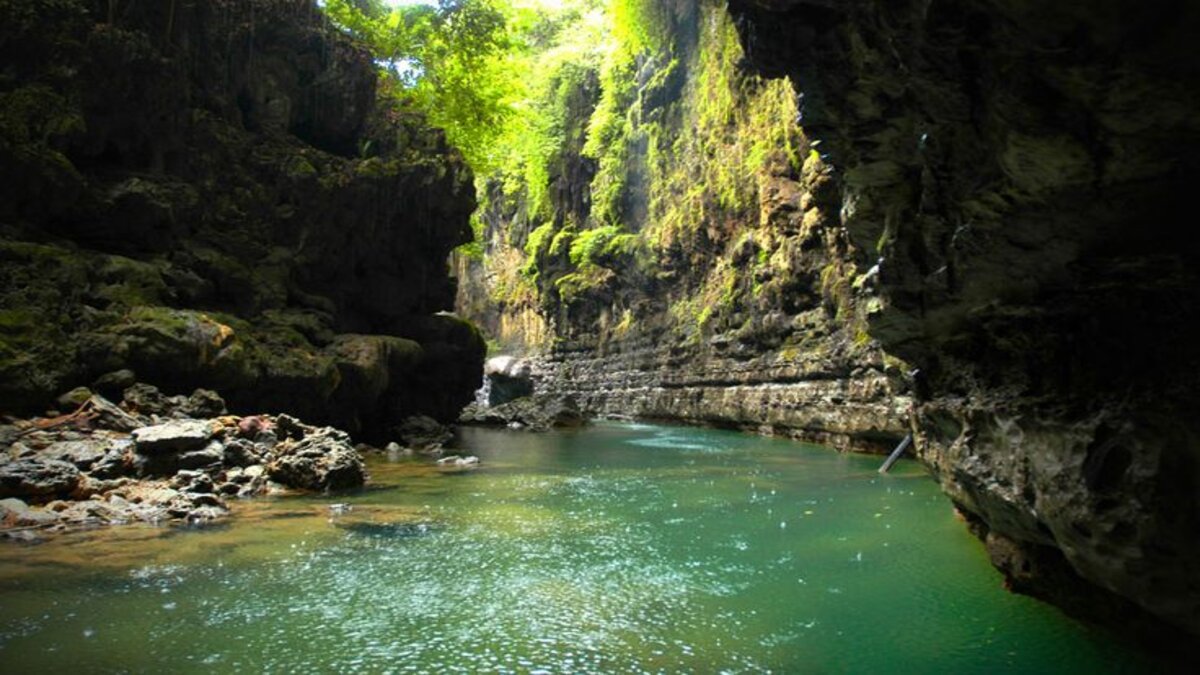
(618, 548)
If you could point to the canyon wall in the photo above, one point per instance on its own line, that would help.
(848, 220)
(1019, 173)
(688, 262)
(211, 194)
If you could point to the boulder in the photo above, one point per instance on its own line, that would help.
(168, 463)
(242, 452)
(420, 431)
(146, 399)
(369, 364)
(111, 465)
(83, 453)
(203, 403)
(176, 436)
(508, 378)
(39, 478)
(536, 413)
(16, 513)
(112, 384)
(322, 460)
(74, 398)
(108, 415)
(210, 455)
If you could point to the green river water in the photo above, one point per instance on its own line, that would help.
(617, 548)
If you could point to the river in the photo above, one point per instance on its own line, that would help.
(616, 548)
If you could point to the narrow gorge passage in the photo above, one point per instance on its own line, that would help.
(258, 256)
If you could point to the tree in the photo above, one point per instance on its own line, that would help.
(452, 60)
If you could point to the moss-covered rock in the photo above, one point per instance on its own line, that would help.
(202, 216)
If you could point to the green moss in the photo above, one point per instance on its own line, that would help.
(376, 167)
(562, 242)
(535, 247)
(37, 115)
(299, 168)
(595, 247)
(127, 282)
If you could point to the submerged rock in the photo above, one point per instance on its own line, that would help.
(388, 530)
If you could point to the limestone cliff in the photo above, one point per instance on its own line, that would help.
(794, 215)
(1020, 171)
(209, 194)
(688, 261)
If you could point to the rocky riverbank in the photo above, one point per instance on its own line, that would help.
(158, 459)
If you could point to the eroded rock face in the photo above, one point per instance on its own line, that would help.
(1017, 170)
(209, 194)
(809, 398)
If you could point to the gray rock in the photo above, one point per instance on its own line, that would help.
(147, 400)
(206, 514)
(176, 436)
(323, 460)
(37, 478)
(16, 513)
(168, 463)
(112, 465)
(203, 403)
(537, 413)
(209, 456)
(507, 378)
(71, 400)
(110, 416)
(192, 481)
(205, 499)
(19, 450)
(8, 435)
(114, 383)
(287, 427)
(421, 431)
(242, 452)
(83, 454)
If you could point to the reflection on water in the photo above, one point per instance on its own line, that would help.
(620, 548)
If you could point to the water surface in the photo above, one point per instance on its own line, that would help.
(619, 548)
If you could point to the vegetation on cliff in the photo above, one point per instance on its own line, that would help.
(642, 179)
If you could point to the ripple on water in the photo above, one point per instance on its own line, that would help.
(677, 441)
